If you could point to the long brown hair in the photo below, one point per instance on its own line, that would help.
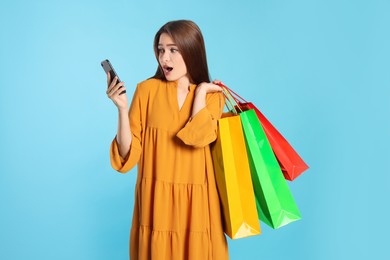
(189, 40)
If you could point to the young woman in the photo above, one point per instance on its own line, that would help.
(167, 130)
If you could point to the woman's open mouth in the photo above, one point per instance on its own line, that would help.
(167, 69)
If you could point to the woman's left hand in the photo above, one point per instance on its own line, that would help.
(200, 95)
(209, 87)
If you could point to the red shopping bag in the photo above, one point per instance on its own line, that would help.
(291, 163)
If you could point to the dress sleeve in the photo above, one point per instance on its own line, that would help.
(119, 163)
(201, 130)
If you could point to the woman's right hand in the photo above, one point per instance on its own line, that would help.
(113, 92)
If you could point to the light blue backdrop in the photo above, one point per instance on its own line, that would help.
(318, 69)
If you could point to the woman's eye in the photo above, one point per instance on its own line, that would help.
(160, 50)
(173, 50)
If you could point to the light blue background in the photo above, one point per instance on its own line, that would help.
(319, 70)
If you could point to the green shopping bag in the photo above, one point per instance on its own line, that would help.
(275, 204)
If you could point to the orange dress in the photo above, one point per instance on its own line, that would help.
(177, 211)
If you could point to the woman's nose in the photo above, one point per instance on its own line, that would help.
(165, 56)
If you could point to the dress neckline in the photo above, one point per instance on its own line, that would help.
(174, 86)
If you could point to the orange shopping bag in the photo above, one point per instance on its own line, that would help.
(233, 179)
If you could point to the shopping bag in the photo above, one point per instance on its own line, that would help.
(233, 179)
(291, 163)
(275, 204)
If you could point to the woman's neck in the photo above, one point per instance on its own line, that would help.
(183, 83)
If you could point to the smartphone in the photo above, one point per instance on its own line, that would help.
(108, 68)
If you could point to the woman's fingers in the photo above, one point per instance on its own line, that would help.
(117, 93)
(113, 83)
(210, 87)
(108, 79)
(114, 91)
(217, 82)
(216, 88)
(118, 98)
(114, 88)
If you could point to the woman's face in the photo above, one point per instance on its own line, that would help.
(170, 59)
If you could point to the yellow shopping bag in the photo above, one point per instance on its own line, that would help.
(233, 179)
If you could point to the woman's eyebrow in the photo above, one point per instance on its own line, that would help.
(171, 44)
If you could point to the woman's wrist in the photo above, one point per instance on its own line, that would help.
(201, 89)
(122, 110)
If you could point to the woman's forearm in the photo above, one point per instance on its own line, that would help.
(123, 136)
(199, 101)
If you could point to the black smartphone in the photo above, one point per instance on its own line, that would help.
(108, 68)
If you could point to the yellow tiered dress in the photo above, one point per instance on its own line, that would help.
(177, 211)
